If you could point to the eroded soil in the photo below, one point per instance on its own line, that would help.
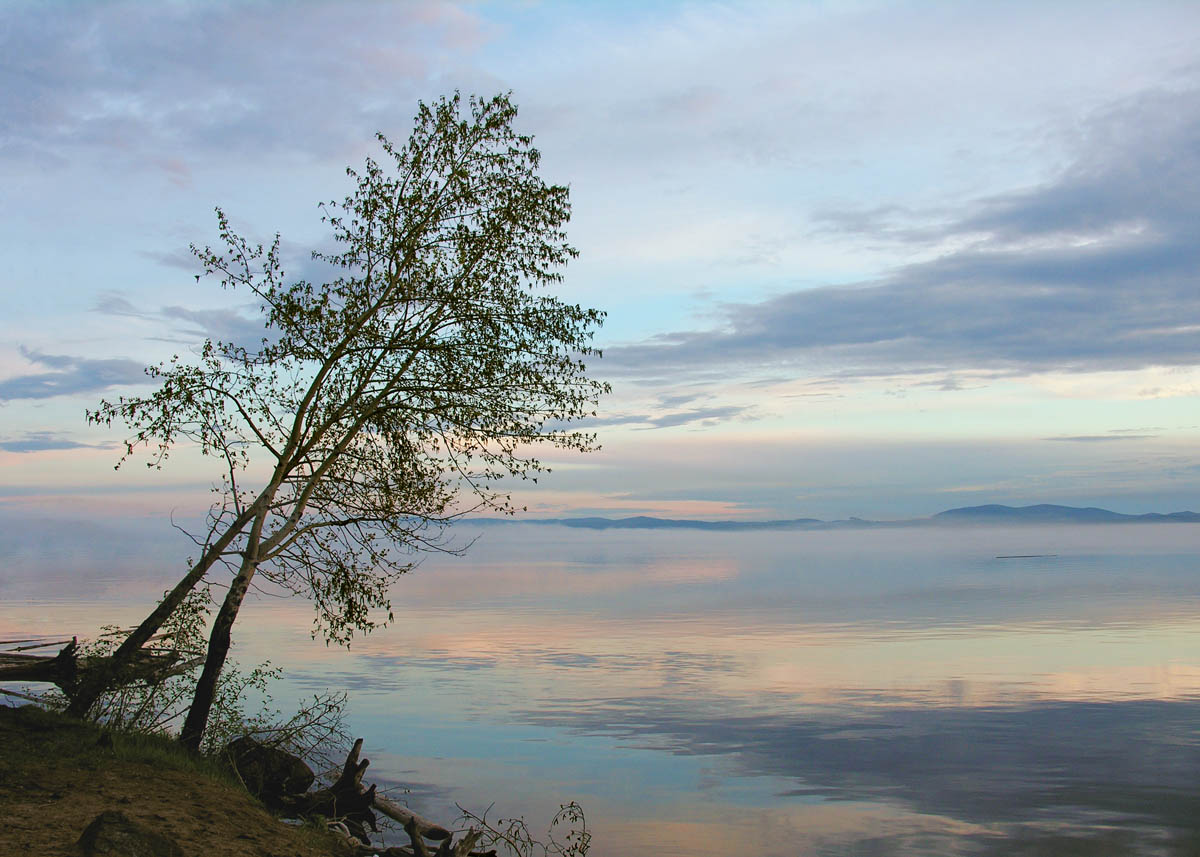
(57, 775)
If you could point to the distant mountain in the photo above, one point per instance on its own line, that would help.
(1049, 513)
(642, 522)
(989, 514)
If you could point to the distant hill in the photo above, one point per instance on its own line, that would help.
(642, 522)
(1049, 513)
(990, 514)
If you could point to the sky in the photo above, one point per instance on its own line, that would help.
(872, 259)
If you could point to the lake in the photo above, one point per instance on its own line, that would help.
(883, 692)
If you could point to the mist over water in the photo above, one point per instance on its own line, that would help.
(821, 692)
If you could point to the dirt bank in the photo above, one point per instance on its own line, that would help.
(56, 775)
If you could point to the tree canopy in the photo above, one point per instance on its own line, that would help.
(408, 389)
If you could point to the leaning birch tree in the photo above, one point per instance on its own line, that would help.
(408, 389)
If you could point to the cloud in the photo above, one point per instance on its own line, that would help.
(877, 222)
(677, 399)
(1136, 170)
(707, 416)
(1100, 438)
(70, 375)
(1096, 269)
(114, 304)
(43, 441)
(220, 325)
(164, 83)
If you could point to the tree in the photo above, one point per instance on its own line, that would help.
(402, 393)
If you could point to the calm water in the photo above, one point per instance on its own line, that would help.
(854, 692)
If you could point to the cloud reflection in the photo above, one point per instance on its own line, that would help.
(1091, 775)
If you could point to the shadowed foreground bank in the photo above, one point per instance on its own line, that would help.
(57, 775)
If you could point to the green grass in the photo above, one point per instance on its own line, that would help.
(93, 746)
(165, 752)
(34, 740)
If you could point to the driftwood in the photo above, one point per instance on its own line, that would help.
(68, 670)
(36, 644)
(407, 817)
(62, 669)
(346, 800)
(446, 849)
(353, 806)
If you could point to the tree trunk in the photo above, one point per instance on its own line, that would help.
(218, 649)
(89, 690)
(220, 639)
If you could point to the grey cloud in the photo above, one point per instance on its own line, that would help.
(1138, 168)
(1100, 438)
(1095, 270)
(769, 84)
(948, 383)
(54, 361)
(115, 304)
(706, 416)
(180, 259)
(42, 441)
(222, 325)
(70, 375)
(210, 78)
(873, 222)
(675, 401)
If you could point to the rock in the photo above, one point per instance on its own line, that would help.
(268, 772)
(114, 834)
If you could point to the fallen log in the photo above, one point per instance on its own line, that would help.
(353, 805)
(36, 645)
(348, 793)
(404, 815)
(67, 669)
(61, 669)
(446, 849)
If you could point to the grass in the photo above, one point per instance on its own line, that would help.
(94, 747)
(57, 774)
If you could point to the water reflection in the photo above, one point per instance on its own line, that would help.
(1073, 771)
(884, 692)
